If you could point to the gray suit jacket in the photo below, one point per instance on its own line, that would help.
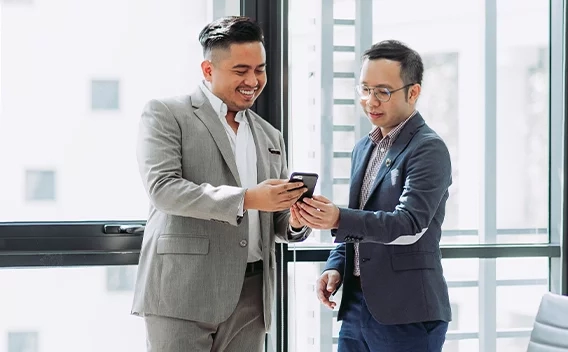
(194, 252)
(402, 283)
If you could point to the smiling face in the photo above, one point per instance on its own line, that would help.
(237, 74)
(385, 73)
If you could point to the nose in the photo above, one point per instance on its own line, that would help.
(373, 100)
(251, 80)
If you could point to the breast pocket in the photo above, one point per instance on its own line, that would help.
(275, 164)
(180, 244)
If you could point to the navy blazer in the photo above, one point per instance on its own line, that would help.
(399, 228)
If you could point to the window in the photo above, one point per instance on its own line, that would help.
(104, 95)
(453, 345)
(50, 92)
(499, 89)
(23, 342)
(120, 278)
(40, 185)
(487, 98)
(439, 101)
(71, 310)
(65, 174)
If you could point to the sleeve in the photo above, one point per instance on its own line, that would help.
(160, 165)
(427, 181)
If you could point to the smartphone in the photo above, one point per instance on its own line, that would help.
(308, 179)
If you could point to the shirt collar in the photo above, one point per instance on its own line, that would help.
(377, 136)
(218, 105)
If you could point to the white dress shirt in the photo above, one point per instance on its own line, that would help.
(244, 150)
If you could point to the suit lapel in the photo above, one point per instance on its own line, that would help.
(398, 146)
(209, 117)
(262, 167)
(359, 173)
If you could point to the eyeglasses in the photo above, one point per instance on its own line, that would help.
(381, 93)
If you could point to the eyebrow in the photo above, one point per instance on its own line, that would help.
(382, 85)
(248, 66)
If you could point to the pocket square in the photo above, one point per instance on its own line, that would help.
(274, 151)
(394, 176)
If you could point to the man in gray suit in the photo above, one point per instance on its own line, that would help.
(217, 180)
(395, 297)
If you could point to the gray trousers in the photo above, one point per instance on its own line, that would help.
(242, 331)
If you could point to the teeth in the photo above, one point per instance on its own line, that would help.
(246, 92)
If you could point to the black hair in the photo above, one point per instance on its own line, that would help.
(223, 32)
(411, 66)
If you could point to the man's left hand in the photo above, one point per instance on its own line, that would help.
(318, 213)
(295, 220)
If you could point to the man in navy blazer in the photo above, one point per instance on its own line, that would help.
(395, 297)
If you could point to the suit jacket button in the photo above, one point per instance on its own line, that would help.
(243, 243)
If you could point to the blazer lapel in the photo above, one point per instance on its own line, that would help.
(359, 174)
(262, 167)
(204, 111)
(398, 146)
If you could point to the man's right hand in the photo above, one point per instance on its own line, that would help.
(273, 195)
(326, 285)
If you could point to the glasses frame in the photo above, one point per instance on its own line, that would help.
(360, 87)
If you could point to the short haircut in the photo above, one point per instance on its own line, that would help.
(411, 66)
(223, 32)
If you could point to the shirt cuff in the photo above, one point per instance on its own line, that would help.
(240, 211)
(294, 232)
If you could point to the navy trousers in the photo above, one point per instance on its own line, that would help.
(360, 332)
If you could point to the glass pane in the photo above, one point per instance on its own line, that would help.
(514, 344)
(344, 35)
(72, 92)
(522, 269)
(22, 341)
(470, 345)
(516, 294)
(344, 9)
(105, 95)
(68, 309)
(40, 185)
(452, 102)
(343, 88)
(522, 117)
(342, 61)
(516, 310)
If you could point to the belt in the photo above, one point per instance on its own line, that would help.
(253, 268)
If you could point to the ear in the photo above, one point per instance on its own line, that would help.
(207, 69)
(414, 93)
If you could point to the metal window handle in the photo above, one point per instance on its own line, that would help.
(134, 229)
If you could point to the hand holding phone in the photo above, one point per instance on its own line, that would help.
(308, 179)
